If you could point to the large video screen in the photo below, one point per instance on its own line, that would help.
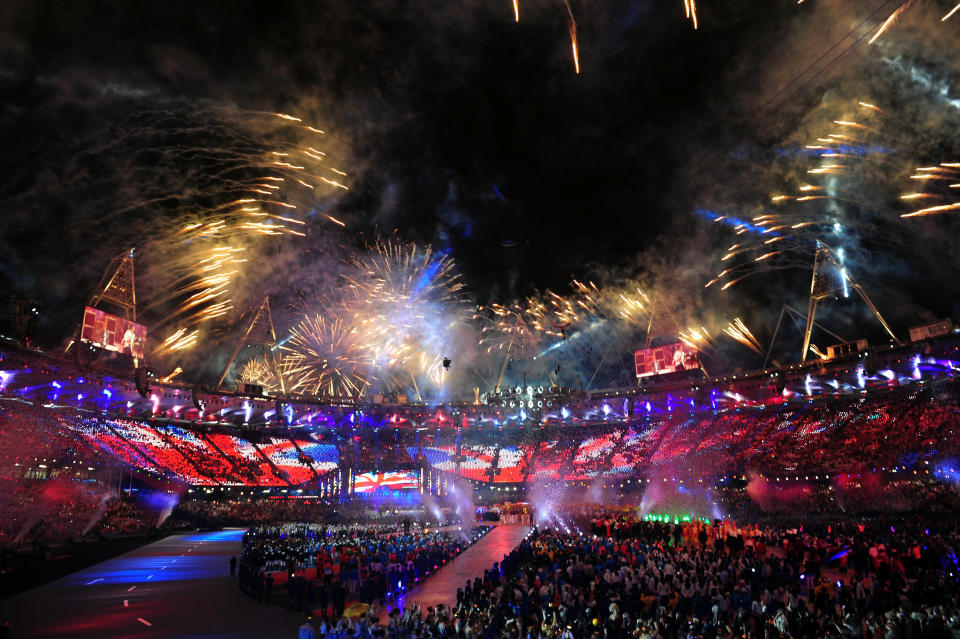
(666, 359)
(371, 483)
(113, 333)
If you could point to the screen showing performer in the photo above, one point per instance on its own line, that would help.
(669, 358)
(113, 333)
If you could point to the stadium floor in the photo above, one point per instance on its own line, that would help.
(442, 587)
(178, 587)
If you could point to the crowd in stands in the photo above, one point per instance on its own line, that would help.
(247, 511)
(901, 427)
(50, 514)
(381, 448)
(175, 453)
(882, 429)
(57, 486)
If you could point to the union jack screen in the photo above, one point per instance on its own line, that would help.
(368, 483)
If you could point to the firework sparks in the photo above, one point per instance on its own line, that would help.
(889, 21)
(934, 179)
(820, 210)
(739, 331)
(572, 27)
(690, 11)
(180, 340)
(696, 337)
(952, 11)
(326, 358)
(269, 372)
(505, 328)
(766, 256)
(247, 196)
(405, 301)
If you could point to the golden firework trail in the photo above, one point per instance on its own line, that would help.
(269, 371)
(633, 305)
(180, 340)
(690, 11)
(572, 28)
(889, 21)
(950, 13)
(933, 178)
(696, 337)
(216, 245)
(933, 210)
(516, 10)
(739, 331)
(731, 283)
(767, 256)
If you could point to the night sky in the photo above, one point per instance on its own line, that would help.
(463, 129)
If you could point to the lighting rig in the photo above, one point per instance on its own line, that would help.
(534, 397)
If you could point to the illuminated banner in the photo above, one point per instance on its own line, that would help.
(666, 359)
(369, 483)
(113, 333)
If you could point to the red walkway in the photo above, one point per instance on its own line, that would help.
(442, 586)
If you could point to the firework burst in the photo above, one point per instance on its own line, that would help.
(407, 302)
(269, 372)
(326, 357)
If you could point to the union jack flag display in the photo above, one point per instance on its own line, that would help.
(385, 482)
